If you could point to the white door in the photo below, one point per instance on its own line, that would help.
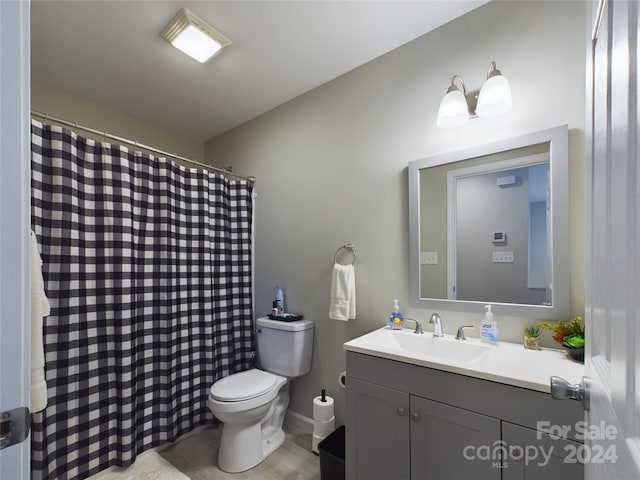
(613, 236)
(14, 227)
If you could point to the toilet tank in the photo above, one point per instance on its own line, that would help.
(285, 348)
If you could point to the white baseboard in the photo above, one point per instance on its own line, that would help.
(299, 421)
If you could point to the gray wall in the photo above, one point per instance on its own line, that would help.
(331, 165)
(49, 99)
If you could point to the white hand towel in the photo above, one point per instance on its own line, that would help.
(343, 293)
(39, 308)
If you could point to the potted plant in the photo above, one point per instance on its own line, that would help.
(531, 336)
(568, 334)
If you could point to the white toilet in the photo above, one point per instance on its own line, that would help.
(252, 404)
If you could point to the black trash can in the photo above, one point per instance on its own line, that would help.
(331, 451)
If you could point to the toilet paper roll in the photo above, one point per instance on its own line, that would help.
(315, 440)
(322, 429)
(342, 380)
(322, 411)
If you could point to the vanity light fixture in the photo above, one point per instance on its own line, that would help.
(494, 98)
(194, 36)
(454, 109)
(495, 95)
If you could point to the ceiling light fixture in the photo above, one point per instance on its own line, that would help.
(194, 36)
(494, 99)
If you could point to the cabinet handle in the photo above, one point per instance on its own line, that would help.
(415, 417)
(400, 411)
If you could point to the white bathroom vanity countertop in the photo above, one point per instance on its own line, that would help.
(508, 363)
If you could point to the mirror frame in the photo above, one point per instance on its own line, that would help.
(558, 140)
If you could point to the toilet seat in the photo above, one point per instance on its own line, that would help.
(243, 385)
(240, 386)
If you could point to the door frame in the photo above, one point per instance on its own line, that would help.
(15, 173)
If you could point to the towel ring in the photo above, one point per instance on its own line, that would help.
(350, 247)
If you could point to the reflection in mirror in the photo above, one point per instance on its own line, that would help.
(485, 227)
(496, 229)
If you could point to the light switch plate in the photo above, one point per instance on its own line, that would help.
(428, 258)
(503, 257)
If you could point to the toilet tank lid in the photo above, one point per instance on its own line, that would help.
(243, 385)
(296, 326)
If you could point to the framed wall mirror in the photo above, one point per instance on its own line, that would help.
(490, 224)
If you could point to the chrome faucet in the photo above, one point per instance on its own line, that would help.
(437, 324)
(418, 328)
(460, 335)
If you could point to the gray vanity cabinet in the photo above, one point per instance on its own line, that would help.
(410, 422)
(401, 436)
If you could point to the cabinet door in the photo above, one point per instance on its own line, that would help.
(377, 432)
(450, 443)
(533, 455)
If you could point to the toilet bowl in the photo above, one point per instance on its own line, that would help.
(252, 404)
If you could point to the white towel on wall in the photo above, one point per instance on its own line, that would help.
(343, 293)
(39, 308)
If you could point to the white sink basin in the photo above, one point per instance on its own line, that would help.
(508, 363)
(424, 346)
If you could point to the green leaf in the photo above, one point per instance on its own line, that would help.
(573, 341)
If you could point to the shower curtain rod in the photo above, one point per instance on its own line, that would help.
(104, 134)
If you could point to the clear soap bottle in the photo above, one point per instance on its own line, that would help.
(396, 319)
(489, 328)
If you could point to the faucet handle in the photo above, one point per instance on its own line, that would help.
(418, 328)
(460, 335)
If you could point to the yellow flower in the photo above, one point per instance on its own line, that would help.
(563, 329)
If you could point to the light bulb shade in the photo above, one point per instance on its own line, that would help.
(453, 111)
(195, 43)
(194, 36)
(494, 97)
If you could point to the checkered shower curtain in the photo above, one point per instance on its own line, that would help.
(147, 266)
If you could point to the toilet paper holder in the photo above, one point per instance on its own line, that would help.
(323, 419)
(342, 380)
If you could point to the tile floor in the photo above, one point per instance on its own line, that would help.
(148, 466)
(196, 456)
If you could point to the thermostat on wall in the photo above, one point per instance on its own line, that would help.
(499, 237)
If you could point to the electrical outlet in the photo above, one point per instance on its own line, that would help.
(428, 258)
(503, 257)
